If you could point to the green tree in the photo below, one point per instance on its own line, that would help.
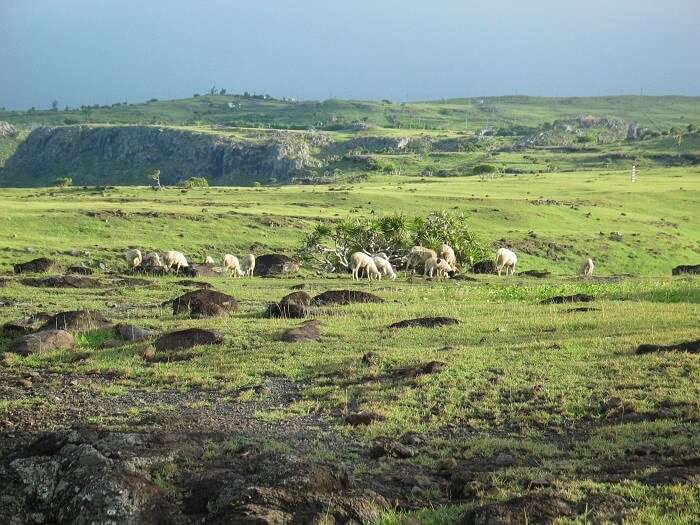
(63, 182)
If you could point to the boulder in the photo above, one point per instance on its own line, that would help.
(40, 265)
(76, 320)
(308, 331)
(274, 264)
(562, 299)
(80, 270)
(187, 338)
(540, 274)
(286, 310)
(202, 270)
(204, 303)
(485, 266)
(691, 269)
(343, 297)
(692, 347)
(426, 322)
(42, 341)
(62, 281)
(299, 298)
(133, 333)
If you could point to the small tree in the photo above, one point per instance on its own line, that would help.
(155, 177)
(63, 182)
(54, 105)
(194, 182)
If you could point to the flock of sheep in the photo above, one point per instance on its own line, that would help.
(177, 260)
(435, 264)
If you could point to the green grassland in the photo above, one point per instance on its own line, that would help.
(560, 392)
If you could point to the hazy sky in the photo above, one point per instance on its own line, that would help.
(104, 51)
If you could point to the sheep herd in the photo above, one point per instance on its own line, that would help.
(434, 264)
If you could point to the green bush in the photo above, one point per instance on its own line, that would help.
(484, 169)
(63, 182)
(383, 165)
(194, 182)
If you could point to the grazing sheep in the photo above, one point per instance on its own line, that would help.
(231, 263)
(417, 257)
(384, 266)
(362, 261)
(133, 258)
(505, 258)
(248, 264)
(176, 259)
(209, 260)
(448, 254)
(152, 259)
(438, 267)
(587, 268)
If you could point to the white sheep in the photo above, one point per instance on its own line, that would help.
(248, 264)
(437, 267)
(174, 258)
(384, 266)
(505, 259)
(152, 259)
(133, 257)
(231, 263)
(448, 254)
(362, 261)
(587, 268)
(417, 257)
(209, 260)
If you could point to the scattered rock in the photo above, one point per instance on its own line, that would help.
(575, 298)
(615, 236)
(308, 331)
(427, 322)
(275, 264)
(362, 418)
(343, 297)
(187, 338)
(133, 333)
(42, 341)
(298, 298)
(391, 448)
(692, 347)
(583, 309)
(62, 281)
(40, 265)
(536, 507)
(691, 269)
(286, 310)
(204, 303)
(486, 266)
(76, 320)
(109, 343)
(540, 274)
(80, 270)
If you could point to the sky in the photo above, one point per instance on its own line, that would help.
(104, 51)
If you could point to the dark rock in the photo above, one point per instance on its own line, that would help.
(362, 418)
(109, 343)
(485, 266)
(308, 331)
(133, 333)
(80, 270)
(300, 286)
(540, 274)
(427, 322)
(149, 270)
(62, 281)
(691, 269)
(343, 297)
(298, 298)
(431, 367)
(290, 310)
(274, 264)
(370, 358)
(202, 270)
(204, 303)
(692, 347)
(16, 329)
(539, 507)
(391, 448)
(76, 320)
(583, 309)
(575, 298)
(40, 265)
(187, 338)
(7, 302)
(196, 284)
(43, 341)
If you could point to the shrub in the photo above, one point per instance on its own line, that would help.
(63, 182)
(194, 182)
(380, 164)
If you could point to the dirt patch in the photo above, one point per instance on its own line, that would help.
(343, 297)
(685, 472)
(692, 347)
(536, 507)
(204, 303)
(80, 270)
(187, 338)
(299, 298)
(686, 269)
(308, 331)
(275, 264)
(40, 265)
(62, 281)
(426, 322)
(76, 320)
(362, 418)
(286, 310)
(562, 299)
(540, 274)
(43, 341)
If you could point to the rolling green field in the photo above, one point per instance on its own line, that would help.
(528, 412)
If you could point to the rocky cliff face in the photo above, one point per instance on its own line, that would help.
(93, 155)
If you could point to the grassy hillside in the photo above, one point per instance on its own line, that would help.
(533, 410)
